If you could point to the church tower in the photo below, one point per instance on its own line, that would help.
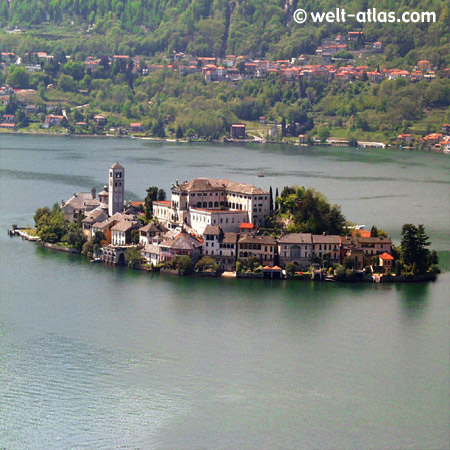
(116, 189)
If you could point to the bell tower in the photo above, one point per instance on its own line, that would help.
(116, 189)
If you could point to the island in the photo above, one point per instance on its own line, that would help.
(212, 227)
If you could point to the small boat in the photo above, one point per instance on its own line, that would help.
(260, 175)
(96, 260)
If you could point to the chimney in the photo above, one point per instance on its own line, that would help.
(94, 192)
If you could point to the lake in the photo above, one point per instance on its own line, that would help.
(93, 356)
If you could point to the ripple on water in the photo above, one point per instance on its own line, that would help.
(100, 398)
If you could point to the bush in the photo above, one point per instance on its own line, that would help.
(207, 264)
(291, 269)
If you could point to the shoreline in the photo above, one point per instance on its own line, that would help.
(203, 141)
(313, 277)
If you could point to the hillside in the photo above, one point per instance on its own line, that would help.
(217, 27)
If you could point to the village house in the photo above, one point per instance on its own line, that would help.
(377, 47)
(99, 119)
(52, 121)
(95, 216)
(356, 256)
(212, 236)
(148, 232)
(107, 225)
(136, 126)
(237, 131)
(263, 247)
(152, 254)
(75, 207)
(121, 232)
(405, 137)
(373, 246)
(31, 110)
(228, 251)
(386, 261)
(326, 248)
(182, 244)
(296, 248)
(9, 118)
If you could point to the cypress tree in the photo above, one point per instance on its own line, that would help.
(271, 198)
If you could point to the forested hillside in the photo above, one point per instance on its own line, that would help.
(218, 27)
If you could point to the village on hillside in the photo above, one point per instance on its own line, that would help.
(214, 226)
(333, 61)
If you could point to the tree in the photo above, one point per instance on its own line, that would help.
(207, 264)
(183, 264)
(291, 269)
(413, 247)
(179, 133)
(161, 195)
(50, 225)
(152, 195)
(271, 199)
(75, 237)
(323, 132)
(18, 77)
(66, 83)
(133, 257)
(98, 237)
(134, 236)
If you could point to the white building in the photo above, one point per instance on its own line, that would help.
(204, 201)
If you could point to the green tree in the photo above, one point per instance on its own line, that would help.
(133, 257)
(18, 77)
(66, 83)
(413, 247)
(152, 195)
(161, 195)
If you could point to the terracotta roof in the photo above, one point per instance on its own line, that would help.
(362, 233)
(116, 165)
(387, 257)
(246, 226)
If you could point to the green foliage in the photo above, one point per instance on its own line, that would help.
(18, 77)
(152, 195)
(207, 264)
(133, 257)
(413, 248)
(87, 249)
(75, 237)
(50, 225)
(134, 236)
(311, 212)
(183, 264)
(249, 264)
(291, 269)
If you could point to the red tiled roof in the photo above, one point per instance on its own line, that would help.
(386, 256)
(247, 226)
